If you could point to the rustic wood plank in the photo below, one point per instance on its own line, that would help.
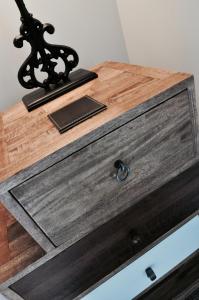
(117, 87)
(17, 249)
(176, 284)
(24, 219)
(140, 70)
(3, 153)
(159, 142)
(100, 253)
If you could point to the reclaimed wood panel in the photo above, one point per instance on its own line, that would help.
(104, 250)
(81, 192)
(17, 249)
(30, 137)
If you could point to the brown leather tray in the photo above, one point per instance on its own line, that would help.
(75, 113)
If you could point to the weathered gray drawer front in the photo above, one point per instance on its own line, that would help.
(78, 194)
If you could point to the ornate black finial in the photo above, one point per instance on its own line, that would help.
(43, 56)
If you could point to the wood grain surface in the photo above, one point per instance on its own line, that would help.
(104, 250)
(80, 193)
(17, 249)
(26, 138)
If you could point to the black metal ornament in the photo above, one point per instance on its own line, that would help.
(45, 57)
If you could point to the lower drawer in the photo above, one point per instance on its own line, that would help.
(182, 284)
(133, 279)
(105, 249)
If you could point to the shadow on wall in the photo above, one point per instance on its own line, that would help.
(162, 33)
(91, 27)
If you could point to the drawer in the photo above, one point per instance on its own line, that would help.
(132, 280)
(80, 193)
(108, 247)
(182, 284)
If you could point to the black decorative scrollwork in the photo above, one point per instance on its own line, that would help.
(43, 56)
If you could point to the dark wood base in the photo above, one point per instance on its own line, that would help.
(42, 96)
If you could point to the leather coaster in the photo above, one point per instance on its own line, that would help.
(75, 113)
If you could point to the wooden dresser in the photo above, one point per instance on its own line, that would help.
(102, 197)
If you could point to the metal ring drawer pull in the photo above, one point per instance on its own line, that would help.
(122, 171)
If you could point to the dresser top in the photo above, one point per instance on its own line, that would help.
(28, 137)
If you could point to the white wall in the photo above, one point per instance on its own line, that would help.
(92, 27)
(162, 33)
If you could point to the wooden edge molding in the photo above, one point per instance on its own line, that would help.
(10, 295)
